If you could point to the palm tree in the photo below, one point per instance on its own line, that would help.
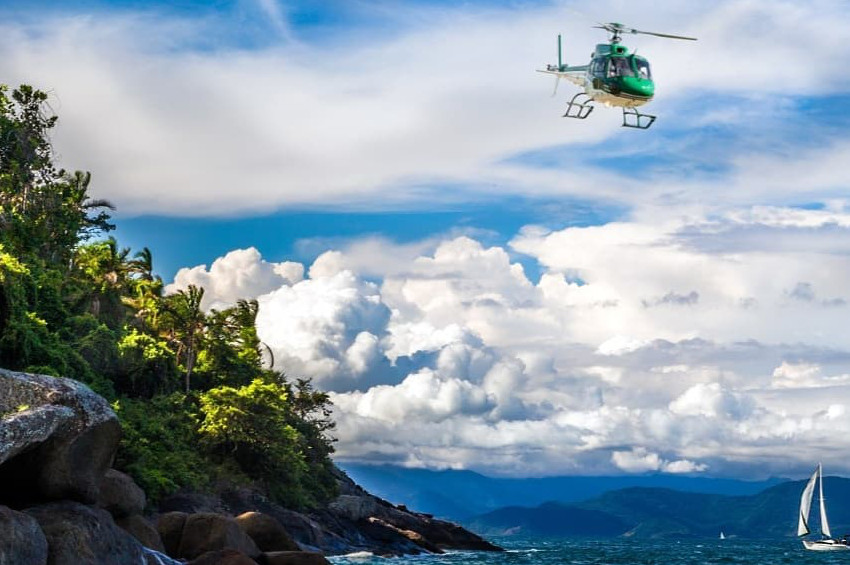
(147, 290)
(100, 281)
(142, 264)
(184, 324)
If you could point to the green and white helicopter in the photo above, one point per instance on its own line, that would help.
(614, 77)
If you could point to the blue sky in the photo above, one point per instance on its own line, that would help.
(477, 281)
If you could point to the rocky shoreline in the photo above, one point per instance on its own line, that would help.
(61, 503)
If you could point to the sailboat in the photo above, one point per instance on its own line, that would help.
(827, 543)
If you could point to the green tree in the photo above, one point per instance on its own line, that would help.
(311, 415)
(159, 445)
(44, 211)
(75, 305)
(144, 296)
(101, 271)
(251, 424)
(146, 366)
(184, 323)
(231, 352)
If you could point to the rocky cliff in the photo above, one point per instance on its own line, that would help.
(61, 503)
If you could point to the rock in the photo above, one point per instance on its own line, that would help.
(292, 558)
(223, 557)
(208, 532)
(21, 539)
(356, 504)
(307, 532)
(82, 535)
(413, 536)
(266, 532)
(60, 446)
(170, 529)
(141, 529)
(357, 521)
(385, 540)
(451, 536)
(21, 430)
(354, 507)
(120, 495)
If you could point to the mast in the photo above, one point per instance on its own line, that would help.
(824, 524)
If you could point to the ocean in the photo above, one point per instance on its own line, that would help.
(620, 552)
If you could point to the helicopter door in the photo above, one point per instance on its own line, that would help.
(597, 68)
(597, 71)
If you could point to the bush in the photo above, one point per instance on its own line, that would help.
(159, 447)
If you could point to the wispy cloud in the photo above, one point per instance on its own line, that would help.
(174, 123)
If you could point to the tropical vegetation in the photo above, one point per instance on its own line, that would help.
(196, 401)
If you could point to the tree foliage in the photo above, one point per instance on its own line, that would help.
(189, 386)
(247, 424)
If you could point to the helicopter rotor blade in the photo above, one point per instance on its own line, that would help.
(612, 26)
(616, 29)
(664, 35)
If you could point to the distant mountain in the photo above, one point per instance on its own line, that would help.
(549, 519)
(666, 513)
(459, 495)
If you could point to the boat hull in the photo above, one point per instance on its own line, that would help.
(826, 545)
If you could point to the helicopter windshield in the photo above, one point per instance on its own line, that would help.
(642, 66)
(620, 67)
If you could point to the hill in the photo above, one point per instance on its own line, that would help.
(667, 513)
(460, 495)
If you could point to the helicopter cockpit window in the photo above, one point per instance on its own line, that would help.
(619, 67)
(642, 66)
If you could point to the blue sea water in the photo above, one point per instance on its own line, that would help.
(621, 552)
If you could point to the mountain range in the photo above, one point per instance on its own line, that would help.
(665, 513)
(462, 495)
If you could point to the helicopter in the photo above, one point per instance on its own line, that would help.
(614, 77)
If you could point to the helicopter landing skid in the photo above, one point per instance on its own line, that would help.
(632, 119)
(579, 110)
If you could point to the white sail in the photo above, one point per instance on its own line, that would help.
(806, 504)
(824, 524)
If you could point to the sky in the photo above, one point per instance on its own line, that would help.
(478, 282)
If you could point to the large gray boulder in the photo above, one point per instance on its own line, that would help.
(188, 536)
(354, 507)
(57, 439)
(21, 539)
(141, 529)
(208, 532)
(120, 495)
(267, 533)
(82, 535)
(170, 529)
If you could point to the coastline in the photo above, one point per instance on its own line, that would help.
(57, 443)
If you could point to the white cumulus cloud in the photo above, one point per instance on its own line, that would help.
(451, 356)
(241, 274)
